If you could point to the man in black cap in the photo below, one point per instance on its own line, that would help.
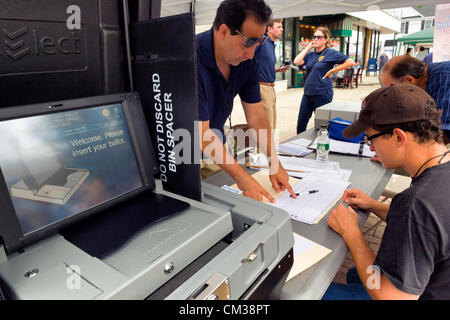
(402, 124)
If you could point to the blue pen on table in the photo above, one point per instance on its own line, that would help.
(304, 193)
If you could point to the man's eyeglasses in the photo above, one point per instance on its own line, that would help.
(368, 139)
(250, 42)
(317, 37)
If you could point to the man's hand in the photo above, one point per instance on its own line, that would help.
(357, 199)
(344, 220)
(283, 68)
(280, 181)
(252, 189)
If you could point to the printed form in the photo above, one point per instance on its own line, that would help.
(310, 208)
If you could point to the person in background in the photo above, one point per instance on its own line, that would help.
(409, 51)
(265, 55)
(433, 78)
(225, 68)
(320, 68)
(428, 59)
(381, 62)
(421, 54)
(401, 123)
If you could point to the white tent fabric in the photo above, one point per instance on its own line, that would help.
(205, 10)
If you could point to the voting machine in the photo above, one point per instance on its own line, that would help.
(95, 202)
(117, 235)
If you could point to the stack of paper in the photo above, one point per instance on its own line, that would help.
(343, 175)
(296, 164)
(298, 147)
(347, 148)
(311, 208)
(306, 254)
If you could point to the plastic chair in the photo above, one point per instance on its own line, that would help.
(356, 77)
(347, 81)
(396, 184)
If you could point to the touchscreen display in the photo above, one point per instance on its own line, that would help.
(61, 164)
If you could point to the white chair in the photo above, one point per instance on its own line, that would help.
(396, 184)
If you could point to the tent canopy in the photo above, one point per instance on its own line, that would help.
(205, 10)
(423, 36)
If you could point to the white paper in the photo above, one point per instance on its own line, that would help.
(311, 207)
(301, 244)
(301, 142)
(343, 175)
(293, 149)
(298, 164)
(231, 189)
(306, 254)
(347, 148)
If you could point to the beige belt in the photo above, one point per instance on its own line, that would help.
(267, 84)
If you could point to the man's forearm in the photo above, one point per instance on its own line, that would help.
(377, 285)
(380, 210)
(362, 255)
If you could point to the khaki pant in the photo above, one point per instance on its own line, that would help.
(269, 100)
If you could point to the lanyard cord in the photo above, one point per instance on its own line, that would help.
(442, 157)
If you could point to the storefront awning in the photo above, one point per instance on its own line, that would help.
(424, 36)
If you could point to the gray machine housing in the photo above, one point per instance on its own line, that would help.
(261, 237)
(163, 261)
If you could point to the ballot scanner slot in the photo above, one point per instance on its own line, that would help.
(102, 234)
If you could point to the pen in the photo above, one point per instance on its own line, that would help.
(305, 193)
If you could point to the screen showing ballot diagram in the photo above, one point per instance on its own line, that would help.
(61, 164)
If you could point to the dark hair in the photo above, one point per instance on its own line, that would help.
(234, 12)
(407, 65)
(408, 50)
(424, 130)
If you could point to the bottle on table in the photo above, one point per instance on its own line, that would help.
(323, 144)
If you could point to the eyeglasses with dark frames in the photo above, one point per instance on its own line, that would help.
(368, 139)
(317, 37)
(250, 42)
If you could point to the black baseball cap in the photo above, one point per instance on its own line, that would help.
(395, 104)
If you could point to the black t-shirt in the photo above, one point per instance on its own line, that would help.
(415, 249)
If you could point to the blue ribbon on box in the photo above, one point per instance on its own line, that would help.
(337, 125)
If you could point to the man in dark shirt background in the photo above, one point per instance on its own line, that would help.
(265, 55)
(433, 78)
(226, 68)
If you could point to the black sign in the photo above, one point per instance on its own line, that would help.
(56, 50)
(165, 75)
